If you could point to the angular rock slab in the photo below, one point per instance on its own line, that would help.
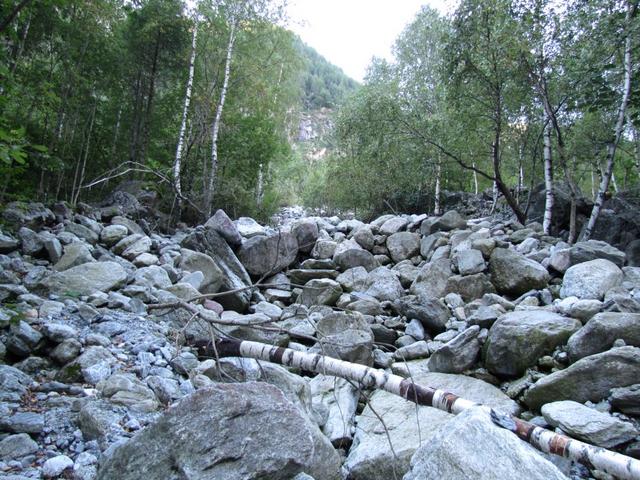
(267, 255)
(471, 446)
(590, 378)
(518, 339)
(235, 276)
(588, 424)
(226, 432)
(371, 458)
(86, 279)
(601, 331)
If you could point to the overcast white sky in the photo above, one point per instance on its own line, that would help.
(349, 32)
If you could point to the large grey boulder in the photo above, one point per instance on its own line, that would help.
(85, 279)
(384, 284)
(393, 225)
(451, 220)
(268, 255)
(207, 240)
(626, 399)
(222, 224)
(13, 384)
(431, 281)
(591, 279)
(31, 215)
(355, 257)
(76, 253)
(403, 245)
(248, 227)
(93, 366)
(353, 279)
(470, 287)
(518, 339)
(347, 336)
(458, 354)
(601, 331)
(588, 424)
(472, 446)
(590, 378)
(321, 291)
(592, 250)
(431, 312)
(225, 432)
(405, 426)
(193, 261)
(306, 233)
(469, 261)
(514, 274)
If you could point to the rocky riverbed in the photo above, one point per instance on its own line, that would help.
(96, 382)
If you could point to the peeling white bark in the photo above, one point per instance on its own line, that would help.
(177, 164)
(548, 177)
(613, 145)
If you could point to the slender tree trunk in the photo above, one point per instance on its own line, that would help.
(20, 47)
(260, 186)
(215, 128)
(146, 130)
(137, 117)
(86, 155)
(613, 145)
(177, 163)
(475, 179)
(548, 177)
(614, 182)
(636, 144)
(114, 145)
(436, 203)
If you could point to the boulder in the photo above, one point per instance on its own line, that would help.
(353, 279)
(453, 453)
(267, 255)
(383, 284)
(626, 399)
(112, 234)
(355, 257)
(405, 426)
(30, 241)
(431, 312)
(451, 220)
(601, 331)
(125, 389)
(591, 280)
(431, 281)
(76, 253)
(590, 378)
(320, 292)
(588, 424)
(234, 275)
(248, 227)
(13, 384)
(85, 279)
(469, 261)
(340, 399)
(30, 215)
(306, 233)
(518, 339)
(594, 249)
(469, 287)
(347, 336)
(458, 354)
(222, 224)
(514, 274)
(192, 261)
(152, 277)
(403, 245)
(92, 366)
(228, 431)
(393, 225)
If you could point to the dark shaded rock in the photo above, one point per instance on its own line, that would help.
(590, 378)
(515, 274)
(30, 215)
(518, 339)
(229, 431)
(222, 224)
(601, 331)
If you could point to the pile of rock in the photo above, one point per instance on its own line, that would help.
(491, 310)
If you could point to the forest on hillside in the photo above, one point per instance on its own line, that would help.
(195, 100)
(500, 95)
(200, 102)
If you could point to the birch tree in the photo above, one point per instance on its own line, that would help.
(619, 126)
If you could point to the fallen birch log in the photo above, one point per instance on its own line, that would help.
(613, 463)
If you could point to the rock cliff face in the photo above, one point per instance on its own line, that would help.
(97, 382)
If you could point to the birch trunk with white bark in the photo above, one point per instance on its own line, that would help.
(177, 163)
(548, 177)
(613, 145)
(215, 128)
(436, 206)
